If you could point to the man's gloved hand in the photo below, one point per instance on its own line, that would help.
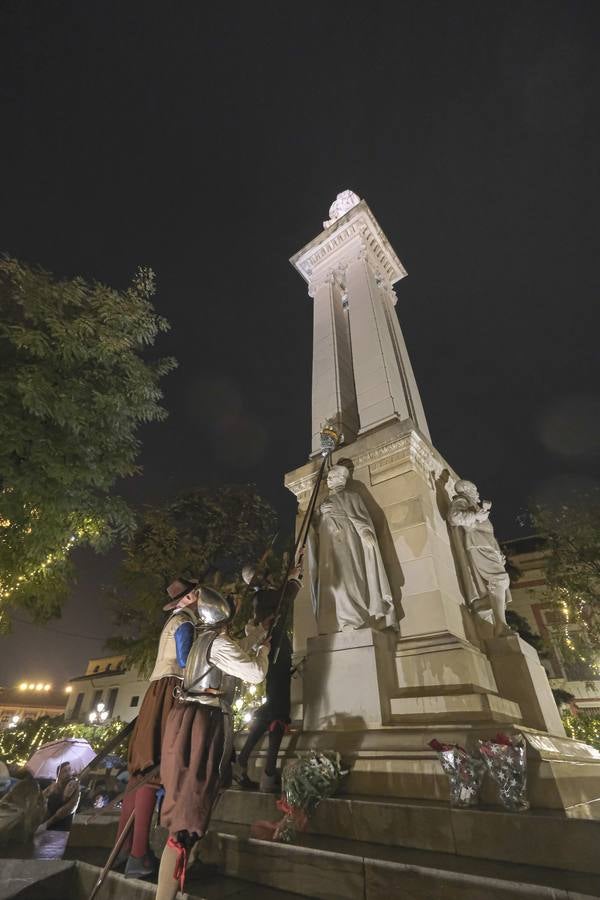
(296, 572)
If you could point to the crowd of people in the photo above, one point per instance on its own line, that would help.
(182, 743)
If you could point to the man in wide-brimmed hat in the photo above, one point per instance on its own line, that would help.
(145, 744)
(198, 742)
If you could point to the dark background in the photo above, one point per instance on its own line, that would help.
(208, 140)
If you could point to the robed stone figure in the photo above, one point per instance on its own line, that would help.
(481, 561)
(348, 579)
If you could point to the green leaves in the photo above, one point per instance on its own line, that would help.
(572, 533)
(209, 533)
(19, 744)
(74, 388)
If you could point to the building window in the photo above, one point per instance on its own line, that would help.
(96, 669)
(108, 667)
(96, 700)
(135, 700)
(77, 707)
(112, 699)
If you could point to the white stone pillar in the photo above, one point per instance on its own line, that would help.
(334, 397)
(362, 375)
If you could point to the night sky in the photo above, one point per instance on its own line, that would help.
(208, 141)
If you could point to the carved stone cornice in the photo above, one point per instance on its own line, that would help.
(409, 452)
(356, 231)
(302, 488)
(410, 449)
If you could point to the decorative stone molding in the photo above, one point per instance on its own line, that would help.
(409, 452)
(302, 488)
(326, 252)
(410, 449)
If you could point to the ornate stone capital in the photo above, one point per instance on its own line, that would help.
(354, 231)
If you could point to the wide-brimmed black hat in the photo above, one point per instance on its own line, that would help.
(179, 589)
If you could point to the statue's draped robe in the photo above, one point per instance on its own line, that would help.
(480, 558)
(346, 573)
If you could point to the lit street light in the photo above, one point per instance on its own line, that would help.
(100, 714)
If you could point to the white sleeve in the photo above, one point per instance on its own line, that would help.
(255, 635)
(232, 659)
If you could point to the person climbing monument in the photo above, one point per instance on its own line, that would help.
(274, 714)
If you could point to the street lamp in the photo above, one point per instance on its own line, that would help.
(14, 722)
(100, 714)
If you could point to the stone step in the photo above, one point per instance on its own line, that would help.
(89, 830)
(537, 838)
(35, 879)
(534, 838)
(334, 869)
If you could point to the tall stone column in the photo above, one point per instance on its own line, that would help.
(362, 375)
(385, 384)
(334, 395)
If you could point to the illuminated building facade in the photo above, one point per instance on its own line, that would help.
(30, 700)
(108, 683)
(528, 586)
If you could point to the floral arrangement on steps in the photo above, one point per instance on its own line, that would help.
(503, 758)
(465, 773)
(305, 782)
(506, 761)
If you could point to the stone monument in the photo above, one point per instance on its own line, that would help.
(367, 689)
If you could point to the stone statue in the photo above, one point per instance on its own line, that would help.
(344, 202)
(348, 578)
(480, 558)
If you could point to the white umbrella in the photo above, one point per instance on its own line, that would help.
(48, 757)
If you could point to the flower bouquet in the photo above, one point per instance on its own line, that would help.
(506, 761)
(304, 783)
(465, 773)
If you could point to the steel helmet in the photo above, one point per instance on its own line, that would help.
(213, 608)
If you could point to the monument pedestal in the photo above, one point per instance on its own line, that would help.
(435, 668)
(379, 697)
(521, 677)
(347, 678)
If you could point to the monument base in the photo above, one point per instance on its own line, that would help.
(383, 849)
(521, 677)
(346, 680)
(364, 678)
(396, 761)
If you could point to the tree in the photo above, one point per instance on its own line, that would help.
(522, 627)
(74, 387)
(572, 535)
(18, 744)
(209, 533)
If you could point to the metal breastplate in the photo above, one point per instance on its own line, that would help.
(204, 682)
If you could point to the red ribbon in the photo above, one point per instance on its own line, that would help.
(285, 807)
(298, 815)
(180, 862)
(441, 748)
